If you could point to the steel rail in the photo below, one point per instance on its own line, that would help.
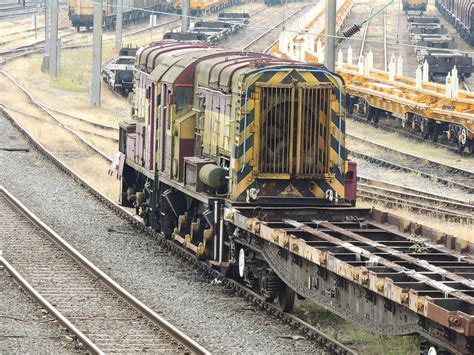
(455, 203)
(386, 163)
(408, 134)
(320, 336)
(269, 48)
(401, 199)
(18, 12)
(151, 315)
(66, 127)
(184, 254)
(82, 119)
(422, 160)
(263, 34)
(29, 49)
(115, 140)
(85, 341)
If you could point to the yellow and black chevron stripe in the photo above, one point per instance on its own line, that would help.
(244, 175)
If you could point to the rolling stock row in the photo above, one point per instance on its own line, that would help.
(460, 14)
(428, 113)
(415, 5)
(428, 32)
(81, 12)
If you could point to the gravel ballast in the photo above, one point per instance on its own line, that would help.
(24, 327)
(220, 322)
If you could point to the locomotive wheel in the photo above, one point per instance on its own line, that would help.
(470, 147)
(286, 299)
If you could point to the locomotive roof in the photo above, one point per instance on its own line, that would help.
(175, 63)
(149, 57)
(178, 63)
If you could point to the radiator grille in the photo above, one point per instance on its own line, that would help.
(314, 112)
(294, 131)
(275, 130)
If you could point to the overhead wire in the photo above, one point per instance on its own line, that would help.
(337, 37)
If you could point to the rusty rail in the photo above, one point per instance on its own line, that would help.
(151, 315)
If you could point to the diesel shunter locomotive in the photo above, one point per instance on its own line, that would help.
(240, 158)
(214, 129)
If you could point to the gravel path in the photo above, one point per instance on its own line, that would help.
(24, 328)
(219, 322)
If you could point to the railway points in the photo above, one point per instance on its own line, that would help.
(399, 197)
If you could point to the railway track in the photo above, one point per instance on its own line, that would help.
(103, 316)
(94, 133)
(43, 108)
(262, 36)
(211, 274)
(436, 171)
(397, 196)
(73, 40)
(9, 12)
(401, 131)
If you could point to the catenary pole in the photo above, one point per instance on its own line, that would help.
(96, 54)
(118, 25)
(53, 42)
(185, 16)
(330, 55)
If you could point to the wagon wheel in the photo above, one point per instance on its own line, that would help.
(286, 299)
(470, 147)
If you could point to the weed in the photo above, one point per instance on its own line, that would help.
(419, 246)
(352, 334)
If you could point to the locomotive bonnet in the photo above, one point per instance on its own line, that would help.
(243, 127)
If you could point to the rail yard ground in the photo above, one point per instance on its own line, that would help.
(135, 259)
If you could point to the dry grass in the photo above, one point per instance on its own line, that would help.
(60, 142)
